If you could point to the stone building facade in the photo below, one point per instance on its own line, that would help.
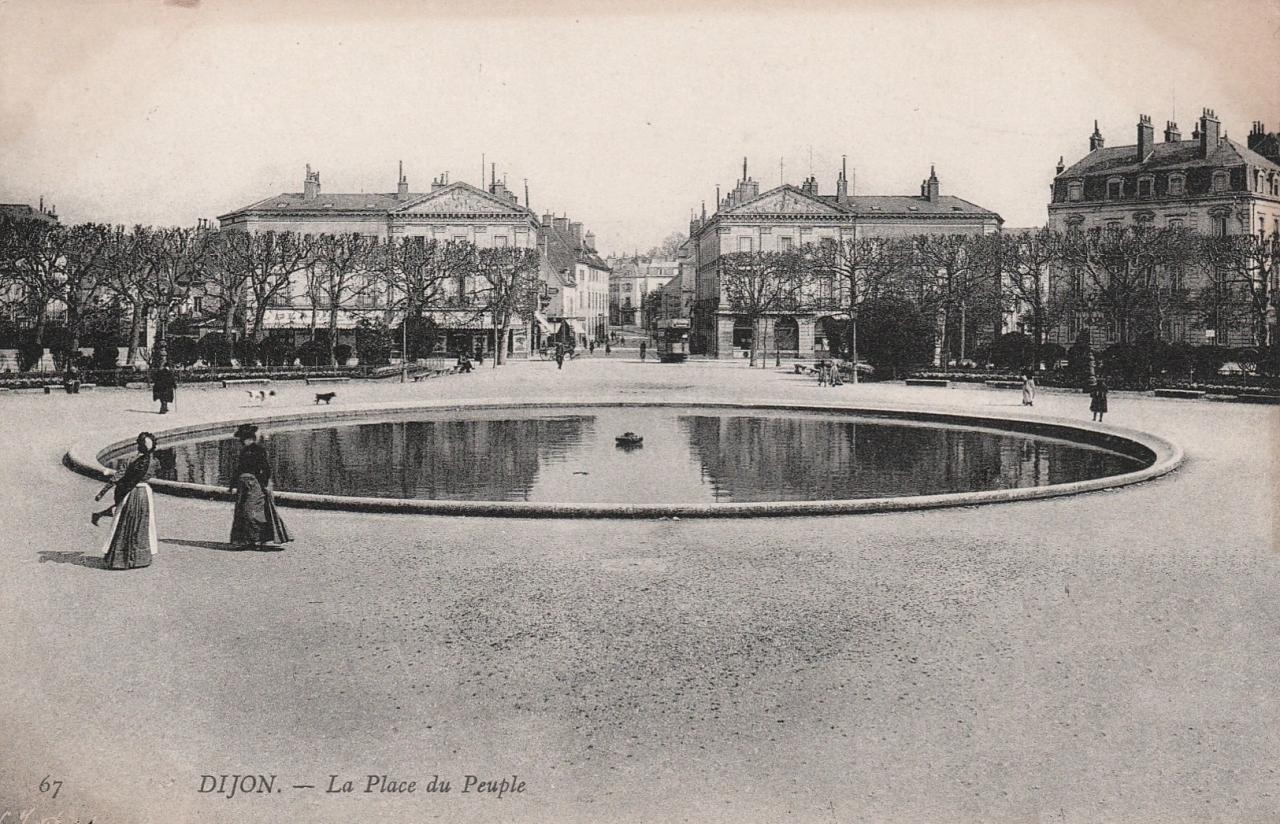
(789, 217)
(449, 211)
(1208, 184)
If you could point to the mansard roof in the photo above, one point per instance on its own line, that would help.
(1167, 156)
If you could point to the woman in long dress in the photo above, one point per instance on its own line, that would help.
(256, 523)
(132, 542)
(1098, 400)
(1028, 388)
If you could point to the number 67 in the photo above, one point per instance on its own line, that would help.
(47, 785)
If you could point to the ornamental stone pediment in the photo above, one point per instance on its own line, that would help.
(460, 199)
(784, 200)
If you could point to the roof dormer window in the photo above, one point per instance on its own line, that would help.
(1075, 190)
(1115, 188)
(1146, 186)
(1177, 185)
(1221, 181)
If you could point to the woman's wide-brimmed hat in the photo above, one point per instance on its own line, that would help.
(246, 430)
(146, 442)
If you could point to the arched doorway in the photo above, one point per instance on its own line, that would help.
(786, 336)
(743, 332)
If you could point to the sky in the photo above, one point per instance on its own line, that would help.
(623, 116)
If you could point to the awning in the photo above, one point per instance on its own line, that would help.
(577, 326)
(547, 326)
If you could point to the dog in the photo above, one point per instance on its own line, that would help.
(326, 397)
(261, 395)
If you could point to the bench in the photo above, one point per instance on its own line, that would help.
(52, 387)
(245, 382)
(1004, 384)
(928, 382)
(326, 380)
(1179, 393)
(1251, 397)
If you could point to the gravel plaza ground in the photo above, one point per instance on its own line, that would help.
(1103, 657)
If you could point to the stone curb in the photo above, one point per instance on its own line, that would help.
(1164, 456)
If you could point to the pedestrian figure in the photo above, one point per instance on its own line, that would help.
(559, 356)
(256, 523)
(643, 346)
(464, 363)
(608, 350)
(591, 348)
(822, 373)
(479, 354)
(1098, 400)
(132, 541)
(835, 379)
(163, 387)
(72, 380)
(1028, 388)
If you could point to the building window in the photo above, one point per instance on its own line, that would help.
(1221, 181)
(1175, 223)
(1262, 181)
(785, 244)
(1177, 185)
(1145, 186)
(744, 244)
(1115, 189)
(1219, 224)
(1075, 223)
(500, 240)
(1075, 190)
(197, 304)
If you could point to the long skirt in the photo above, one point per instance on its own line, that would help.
(1028, 394)
(132, 542)
(256, 520)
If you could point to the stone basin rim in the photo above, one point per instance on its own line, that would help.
(1162, 457)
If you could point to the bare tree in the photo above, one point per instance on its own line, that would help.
(948, 271)
(258, 270)
(508, 285)
(343, 269)
(848, 273)
(1131, 274)
(1031, 264)
(756, 284)
(157, 271)
(1248, 265)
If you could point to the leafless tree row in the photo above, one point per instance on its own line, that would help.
(1136, 278)
(71, 271)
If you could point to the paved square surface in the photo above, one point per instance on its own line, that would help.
(1104, 657)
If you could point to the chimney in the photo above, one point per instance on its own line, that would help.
(589, 240)
(575, 229)
(438, 183)
(810, 186)
(1209, 130)
(311, 184)
(562, 225)
(1061, 167)
(842, 182)
(1095, 139)
(931, 185)
(1146, 137)
(1171, 133)
(402, 187)
(547, 219)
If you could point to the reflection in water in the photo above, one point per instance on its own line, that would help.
(753, 458)
(518, 455)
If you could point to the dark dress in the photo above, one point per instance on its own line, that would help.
(163, 385)
(1098, 395)
(256, 520)
(132, 541)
